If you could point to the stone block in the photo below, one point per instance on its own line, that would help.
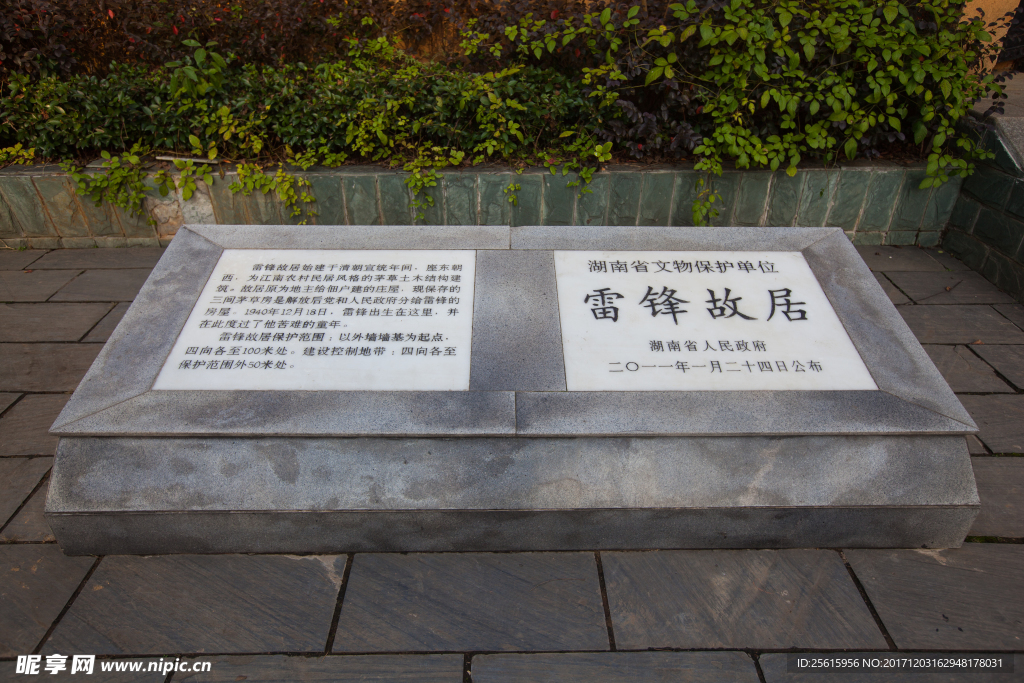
(36, 582)
(12, 259)
(940, 205)
(751, 198)
(77, 243)
(45, 367)
(849, 198)
(433, 214)
(32, 285)
(445, 668)
(964, 371)
(926, 600)
(883, 191)
(592, 206)
(9, 228)
(24, 429)
(61, 204)
(868, 238)
(816, 197)
(1008, 360)
(228, 207)
(890, 259)
(656, 198)
(395, 199)
(990, 186)
(330, 199)
(929, 239)
(733, 599)
(901, 238)
(134, 225)
(684, 194)
(529, 199)
(965, 212)
(999, 231)
(968, 249)
(472, 601)
(18, 478)
(1000, 421)
(785, 198)
(104, 285)
(559, 201)
(1001, 489)
(361, 199)
(1015, 203)
(962, 287)
(495, 208)
(26, 207)
(460, 191)
(29, 525)
(960, 325)
(203, 603)
(48, 322)
(912, 202)
(725, 188)
(624, 198)
(615, 667)
(1005, 273)
(143, 242)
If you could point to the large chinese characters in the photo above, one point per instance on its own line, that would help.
(337, 320)
(645, 321)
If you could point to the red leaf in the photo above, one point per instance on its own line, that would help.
(111, 13)
(175, 30)
(554, 14)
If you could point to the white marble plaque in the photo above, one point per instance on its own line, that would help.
(309, 320)
(700, 321)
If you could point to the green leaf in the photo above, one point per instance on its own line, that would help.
(784, 18)
(195, 141)
(687, 32)
(654, 74)
(938, 140)
(606, 15)
(850, 148)
(920, 131)
(200, 56)
(946, 88)
(566, 133)
(632, 12)
(890, 13)
(809, 51)
(926, 183)
(765, 98)
(706, 32)
(895, 123)
(814, 107)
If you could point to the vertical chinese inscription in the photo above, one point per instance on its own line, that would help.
(707, 321)
(329, 320)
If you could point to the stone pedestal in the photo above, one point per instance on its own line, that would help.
(729, 401)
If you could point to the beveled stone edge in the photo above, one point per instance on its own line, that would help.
(653, 238)
(357, 237)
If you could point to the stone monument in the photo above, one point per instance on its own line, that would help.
(414, 388)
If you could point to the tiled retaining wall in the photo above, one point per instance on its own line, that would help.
(986, 227)
(874, 203)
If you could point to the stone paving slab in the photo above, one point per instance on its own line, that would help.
(36, 582)
(760, 599)
(6, 400)
(1008, 360)
(964, 287)
(45, 367)
(36, 285)
(104, 285)
(1000, 421)
(967, 598)
(105, 327)
(1012, 312)
(960, 325)
(350, 668)
(135, 257)
(472, 601)
(203, 603)
(947, 260)
(774, 667)
(975, 446)
(1001, 488)
(12, 259)
(18, 476)
(894, 259)
(7, 670)
(29, 525)
(24, 428)
(616, 667)
(897, 297)
(48, 322)
(964, 371)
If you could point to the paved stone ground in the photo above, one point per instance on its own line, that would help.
(502, 617)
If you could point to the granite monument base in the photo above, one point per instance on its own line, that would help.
(538, 426)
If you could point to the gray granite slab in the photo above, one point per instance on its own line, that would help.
(725, 413)
(345, 669)
(517, 340)
(751, 599)
(1001, 489)
(356, 236)
(136, 257)
(644, 238)
(963, 287)
(897, 297)
(947, 260)
(7, 672)
(965, 371)
(105, 327)
(312, 413)
(1008, 360)
(458, 494)
(6, 400)
(36, 582)
(44, 367)
(960, 325)
(48, 322)
(35, 285)
(185, 603)
(12, 259)
(18, 477)
(1000, 419)
(616, 667)
(29, 525)
(967, 598)
(895, 259)
(472, 601)
(24, 428)
(775, 667)
(104, 285)
(1012, 312)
